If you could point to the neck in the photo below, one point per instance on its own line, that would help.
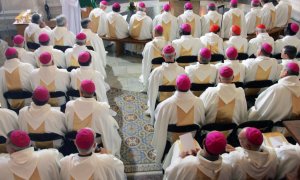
(84, 155)
(207, 156)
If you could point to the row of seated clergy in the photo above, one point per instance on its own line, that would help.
(22, 162)
(252, 160)
(16, 76)
(39, 117)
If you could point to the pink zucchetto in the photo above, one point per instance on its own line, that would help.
(231, 53)
(44, 37)
(292, 66)
(166, 7)
(226, 72)
(104, 3)
(211, 5)
(183, 82)
(159, 29)
(168, 49)
(84, 57)
(267, 48)
(41, 94)
(85, 138)
(19, 138)
(215, 143)
(256, 2)
(188, 6)
(18, 39)
(141, 5)
(261, 26)
(294, 27)
(186, 28)
(254, 136)
(45, 58)
(235, 2)
(116, 5)
(81, 36)
(10, 52)
(205, 53)
(88, 86)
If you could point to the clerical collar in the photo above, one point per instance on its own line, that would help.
(85, 155)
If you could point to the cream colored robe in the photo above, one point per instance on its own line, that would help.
(100, 15)
(167, 18)
(187, 45)
(146, 27)
(26, 56)
(256, 42)
(228, 21)
(8, 121)
(283, 13)
(287, 40)
(268, 15)
(202, 72)
(33, 31)
(119, 25)
(239, 70)
(62, 37)
(213, 42)
(188, 17)
(57, 55)
(212, 17)
(253, 18)
(239, 42)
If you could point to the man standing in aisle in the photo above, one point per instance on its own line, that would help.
(71, 9)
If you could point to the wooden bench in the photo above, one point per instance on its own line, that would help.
(274, 32)
(120, 43)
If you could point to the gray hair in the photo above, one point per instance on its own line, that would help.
(61, 20)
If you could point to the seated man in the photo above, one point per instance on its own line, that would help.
(263, 67)
(60, 35)
(281, 100)
(206, 163)
(236, 40)
(86, 72)
(140, 25)
(202, 72)
(87, 112)
(166, 75)
(224, 103)
(181, 109)
(253, 17)
(14, 76)
(268, 17)
(187, 45)
(252, 160)
(283, 13)
(168, 22)
(288, 54)
(262, 36)
(52, 78)
(58, 55)
(24, 55)
(40, 117)
(189, 17)
(290, 38)
(213, 17)
(117, 27)
(90, 165)
(71, 55)
(213, 41)
(8, 122)
(25, 163)
(98, 19)
(152, 50)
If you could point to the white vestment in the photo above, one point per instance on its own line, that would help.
(261, 68)
(33, 31)
(213, 42)
(83, 73)
(268, 15)
(3, 47)
(30, 164)
(168, 72)
(212, 17)
(239, 42)
(99, 16)
(202, 73)
(193, 19)
(224, 104)
(287, 40)
(278, 102)
(253, 19)
(151, 50)
(249, 164)
(256, 42)
(43, 119)
(140, 26)
(187, 45)
(57, 55)
(61, 36)
(283, 13)
(71, 9)
(15, 69)
(169, 24)
(26, 56)
(88, 112)
(174, 110)
(239, 70)
(116, 25)
(96, 166)
(8, 121)
(234, 16)
(283, 63)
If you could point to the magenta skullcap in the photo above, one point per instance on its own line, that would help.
(234, 2)
(18, 39)
(183, 82)
(10, 52)
(41, 94)
(231, 52)
(166, 7)
(159, 29)
(85, 138)
(256, 2)
(19, 138)
(254, 136)
(45, 58)
(267, 48)
(186, 27)
(104, 3)
(226, 72)
(44, 37)
(142, 5)
(211, 5)
(292, 66)
(84, 57)
(188, 6)
(81, 36)
(168, 49)
(294, 27)
(116, 5)
(205, 53)
(88, 86)
(215, 143)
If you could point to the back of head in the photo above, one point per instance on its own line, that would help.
(226, 74)
(214, 28)
(231, 53)
(292, 29)
(61, 20)
(87, 88)
(17, 140)
(84, 58)
(204, 56)
(11, 53)
(167, 7)
(266, 50)
(188, 6)
(44, 39)
(255, 3)
(18, 41)
(158, 30)
(169, 53)
(81, 39)
(183, 83)
(292, 69)
(35, 18)
(40, 96)
(211, 7)
(46, 59)
(234, 3)
(85, 23)
(251, 138)
(141, 6)
(235, 30)
(85, 141)
(261, 28)
(290, 51)
(215, 143)
(185, 29)
(116, 7)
